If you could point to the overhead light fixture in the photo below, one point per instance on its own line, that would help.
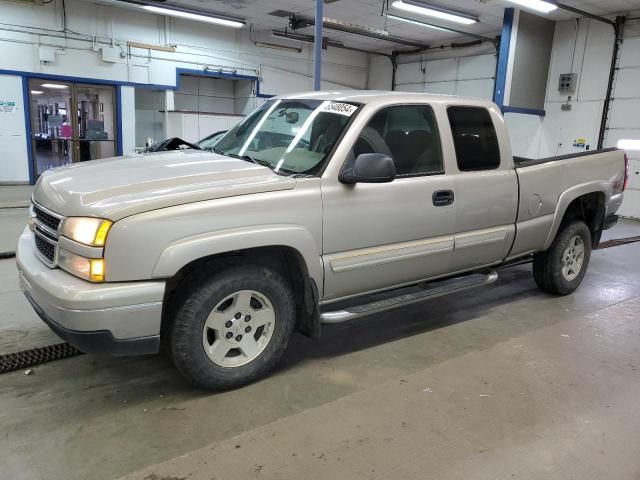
(277, 46)
(36, 92)
(537, 5)
(342, 23)
(55, 86)
(627, 144)
(196, 17)
(416, 22)
(435, 12)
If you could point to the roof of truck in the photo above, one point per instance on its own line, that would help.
(367, 96)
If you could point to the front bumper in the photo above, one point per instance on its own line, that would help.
(113, 318)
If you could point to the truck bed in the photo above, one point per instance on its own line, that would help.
(521, 162)
(547, 185)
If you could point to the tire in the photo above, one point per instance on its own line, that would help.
(561, 268)
(212, 319)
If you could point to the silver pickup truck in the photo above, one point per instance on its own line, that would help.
(316, 208)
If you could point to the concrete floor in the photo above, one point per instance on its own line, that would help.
(499, 383)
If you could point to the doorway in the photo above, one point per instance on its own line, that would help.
(70, 123)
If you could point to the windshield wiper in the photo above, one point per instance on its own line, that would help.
(247, 158)
(257, 161)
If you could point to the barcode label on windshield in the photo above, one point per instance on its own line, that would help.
(345, 109)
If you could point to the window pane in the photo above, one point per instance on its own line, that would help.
(96, 115)
(94, 150)
(50, 153)
(475, 139)
(408, 134)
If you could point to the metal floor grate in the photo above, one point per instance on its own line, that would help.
(29, 358)
(617, 242)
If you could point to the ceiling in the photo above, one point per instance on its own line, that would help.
(367, 13)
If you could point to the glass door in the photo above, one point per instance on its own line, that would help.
(71, 123)
(51, 124)
(95, 107)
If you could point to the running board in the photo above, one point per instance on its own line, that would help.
(433, 290)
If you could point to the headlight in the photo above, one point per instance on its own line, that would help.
(89, 231)
(91, 269)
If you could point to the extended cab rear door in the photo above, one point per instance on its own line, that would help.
(485, 185)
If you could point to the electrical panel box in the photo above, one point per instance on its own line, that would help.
(47, 54)
(111, 55)
(568, 82)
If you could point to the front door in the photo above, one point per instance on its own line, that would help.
(376, 236)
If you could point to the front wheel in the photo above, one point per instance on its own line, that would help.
(561, 268)
(233, 327)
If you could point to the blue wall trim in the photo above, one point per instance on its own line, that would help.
(153, 86)
(526, 111)
(119, 146)
(118, 84)
(27, 129)
(503, 56)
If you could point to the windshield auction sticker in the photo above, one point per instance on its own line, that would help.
(345, 109)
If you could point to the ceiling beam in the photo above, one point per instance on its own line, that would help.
(301, 37)
(300, 21)
(578, 11)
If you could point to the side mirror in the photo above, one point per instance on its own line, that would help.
(369, 168)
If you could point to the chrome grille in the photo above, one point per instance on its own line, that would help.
(46, 248)
(46, 225)
(46, 219)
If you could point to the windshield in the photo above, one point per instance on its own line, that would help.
(289, 136)
(209, 142)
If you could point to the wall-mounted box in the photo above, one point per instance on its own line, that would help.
(567, 82)
(47, 54)
(111, 55)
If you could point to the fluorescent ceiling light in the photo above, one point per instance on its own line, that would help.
(537, 5)
(627, 144)
(36, 92)
(416, 22)
(194, 16)
(435, 12)
(55, 86)
(277, 46)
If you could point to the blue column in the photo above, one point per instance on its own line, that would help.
(317, 47)
(26, 104)
(503, 57)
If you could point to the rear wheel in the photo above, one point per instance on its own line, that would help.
(232, 328)
(561, 268)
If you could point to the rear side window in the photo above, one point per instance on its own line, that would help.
(475, 139)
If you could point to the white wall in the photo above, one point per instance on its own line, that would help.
(128, 120)
(193, 126)
(198, 46)
(554, 134)
(380, 73)
(12, 132)
(471, 75)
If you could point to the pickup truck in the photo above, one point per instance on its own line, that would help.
(316, 208)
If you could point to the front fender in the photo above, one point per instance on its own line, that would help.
(186, 250)
(569, 196)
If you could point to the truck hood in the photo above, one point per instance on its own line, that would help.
(114, 188)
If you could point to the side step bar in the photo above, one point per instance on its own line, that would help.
(433, 290)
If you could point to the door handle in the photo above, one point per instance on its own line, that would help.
(442, 198)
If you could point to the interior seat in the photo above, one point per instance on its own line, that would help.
(408, 148)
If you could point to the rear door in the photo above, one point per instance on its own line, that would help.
(376, 236)
(486, 187)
